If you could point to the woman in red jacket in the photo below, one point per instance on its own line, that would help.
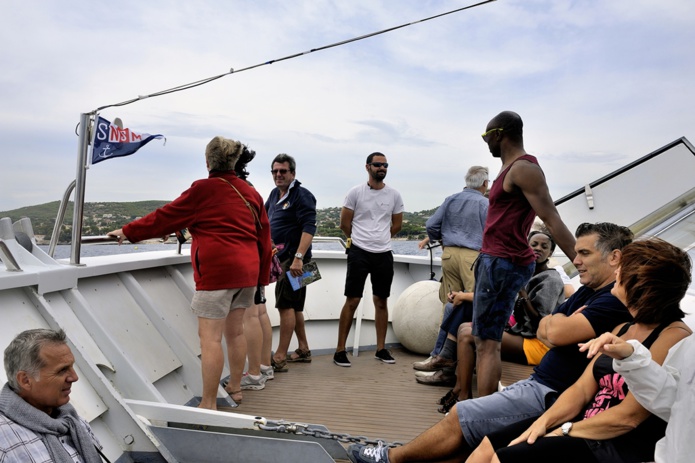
(230, 254)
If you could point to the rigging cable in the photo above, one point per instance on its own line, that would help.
(296, 55)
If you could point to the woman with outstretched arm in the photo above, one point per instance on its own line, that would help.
(598, 419)
(667, 391)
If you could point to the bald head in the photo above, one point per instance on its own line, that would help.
(511, 123)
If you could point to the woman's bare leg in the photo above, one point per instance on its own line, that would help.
(211, 359)
(236, 349)
(254, 339)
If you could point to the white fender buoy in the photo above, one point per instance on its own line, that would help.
(417, 315)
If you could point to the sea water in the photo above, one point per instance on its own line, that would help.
(403, 247)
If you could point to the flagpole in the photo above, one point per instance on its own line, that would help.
(80, 181)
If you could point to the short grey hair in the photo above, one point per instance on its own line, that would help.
(285, 158)
(24, 353)
(610, 236)
(476, 176)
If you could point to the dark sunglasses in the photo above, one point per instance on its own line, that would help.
(279, 171)
(380, 164)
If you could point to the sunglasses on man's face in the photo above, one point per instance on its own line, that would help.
(279, 171)
(486, 135)
(385, 165)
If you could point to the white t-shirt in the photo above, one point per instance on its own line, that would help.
(371, 222)
(667, 392)
(565, 278)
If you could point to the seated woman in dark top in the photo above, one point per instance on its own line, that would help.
(597, 419)
(543, 293)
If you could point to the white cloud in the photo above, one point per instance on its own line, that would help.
(598, 84)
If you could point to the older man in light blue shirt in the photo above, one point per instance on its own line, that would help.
(458, 224)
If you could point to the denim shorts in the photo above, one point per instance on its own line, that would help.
(497, 283)
(519, 401)
(216, 304)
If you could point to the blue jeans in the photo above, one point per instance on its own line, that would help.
(519, 401)
(497, 283)
(452, 318)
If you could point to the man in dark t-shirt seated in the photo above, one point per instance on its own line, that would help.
(590, 311)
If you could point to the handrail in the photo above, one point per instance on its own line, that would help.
(329, 239)
(101, 239)
(59, 219)
(430, 248)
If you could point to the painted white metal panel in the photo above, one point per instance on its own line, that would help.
(163, 292)
(324, 298)
(635, 193)
(118, 313)
(74, 328)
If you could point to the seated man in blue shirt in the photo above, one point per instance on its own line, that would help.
(590, 311)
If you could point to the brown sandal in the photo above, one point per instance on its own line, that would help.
(237, 394)
(448, 403)
(303, 356)
(224, 382)
(279, 367)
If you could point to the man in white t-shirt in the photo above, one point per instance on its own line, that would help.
(372, 214)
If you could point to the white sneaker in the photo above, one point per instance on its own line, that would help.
(252, 382)
(424, 374)
(417, 365)
(267, 372)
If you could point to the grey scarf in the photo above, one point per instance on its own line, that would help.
(50, 429)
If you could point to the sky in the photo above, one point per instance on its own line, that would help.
(597, 83)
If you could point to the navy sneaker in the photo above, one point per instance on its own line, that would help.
(360, 453)
(385, 356)
(340, 359)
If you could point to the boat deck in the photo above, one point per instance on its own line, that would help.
(371, 398)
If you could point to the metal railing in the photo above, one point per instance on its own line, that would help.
(329, 239)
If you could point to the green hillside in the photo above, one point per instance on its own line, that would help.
(101, 218)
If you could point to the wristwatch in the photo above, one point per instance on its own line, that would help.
(299, 256)
(566, 428)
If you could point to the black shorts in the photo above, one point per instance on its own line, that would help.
(569, 449)
(379, 266)
(285, 296)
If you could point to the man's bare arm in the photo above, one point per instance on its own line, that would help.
(560, 330)
(396, 223)
(529, 178)
(346, 216)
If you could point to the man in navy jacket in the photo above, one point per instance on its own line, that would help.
(292, 213)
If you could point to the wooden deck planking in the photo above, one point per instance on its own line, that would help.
(371, 398)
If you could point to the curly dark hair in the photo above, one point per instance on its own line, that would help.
(544, 231)
(655, 275)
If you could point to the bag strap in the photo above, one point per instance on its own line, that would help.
(101, 454)
(248, 204)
